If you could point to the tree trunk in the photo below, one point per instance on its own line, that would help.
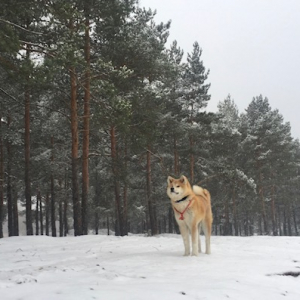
(295, 220)
(9, 185)
(260, 226)
(29, 229)
(53, 225)
(151, 200)
(1, 178)
(284, 221)
(66, 225)
(171, 219)
(274, 227)
(235, 222)
(41, 213)
(251, 225)
(12, 206)
(279, 220)
(15, 213)
(192, 160)
(74, 129)
(47, 209)
(176, 158)
(263, 209)
(118, 209)
(260, 191)
(86, 123)
(61, 219)
(53, 218)
(289, 224)
(125, 193)
(96, 222)
(37, 225)
(246, 223)
(107, 222)
(216, 221)
(227, 221)
(125, 225)
(96, 203)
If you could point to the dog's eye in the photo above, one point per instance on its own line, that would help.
(177, 186)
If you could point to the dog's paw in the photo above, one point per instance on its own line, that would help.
(195, 254)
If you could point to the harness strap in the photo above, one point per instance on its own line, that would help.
(182, 213)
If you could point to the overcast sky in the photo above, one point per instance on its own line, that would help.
(251, 47)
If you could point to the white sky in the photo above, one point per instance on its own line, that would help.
(251, 47)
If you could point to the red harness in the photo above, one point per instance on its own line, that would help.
(181, 213)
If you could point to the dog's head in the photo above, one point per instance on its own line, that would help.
(178, 188)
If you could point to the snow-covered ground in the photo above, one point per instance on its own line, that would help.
(141, 268)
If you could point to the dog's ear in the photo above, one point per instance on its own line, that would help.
(183, 179)
(170, 179)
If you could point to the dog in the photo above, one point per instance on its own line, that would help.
(192, 210)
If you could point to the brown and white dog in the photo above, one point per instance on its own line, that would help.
(192, 209)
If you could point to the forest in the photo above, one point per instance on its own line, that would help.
(97, 108)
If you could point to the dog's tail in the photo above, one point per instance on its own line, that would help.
(198, 190)
(206, 195)
(201, 192)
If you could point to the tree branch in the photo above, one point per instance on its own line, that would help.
(20, 27)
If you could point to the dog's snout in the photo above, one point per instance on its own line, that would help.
(172, 190)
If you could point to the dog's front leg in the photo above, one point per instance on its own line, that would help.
(185, 236)
(195, 239)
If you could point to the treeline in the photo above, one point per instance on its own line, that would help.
(96, 112)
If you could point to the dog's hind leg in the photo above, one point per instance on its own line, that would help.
(207, 233)
(199, 240)
(185, 236)
(195, 239)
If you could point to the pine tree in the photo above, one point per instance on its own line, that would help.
(194, 96)
(174, 117)
(132, 77)
(268, 143)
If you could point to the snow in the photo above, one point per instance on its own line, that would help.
(139, 267)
